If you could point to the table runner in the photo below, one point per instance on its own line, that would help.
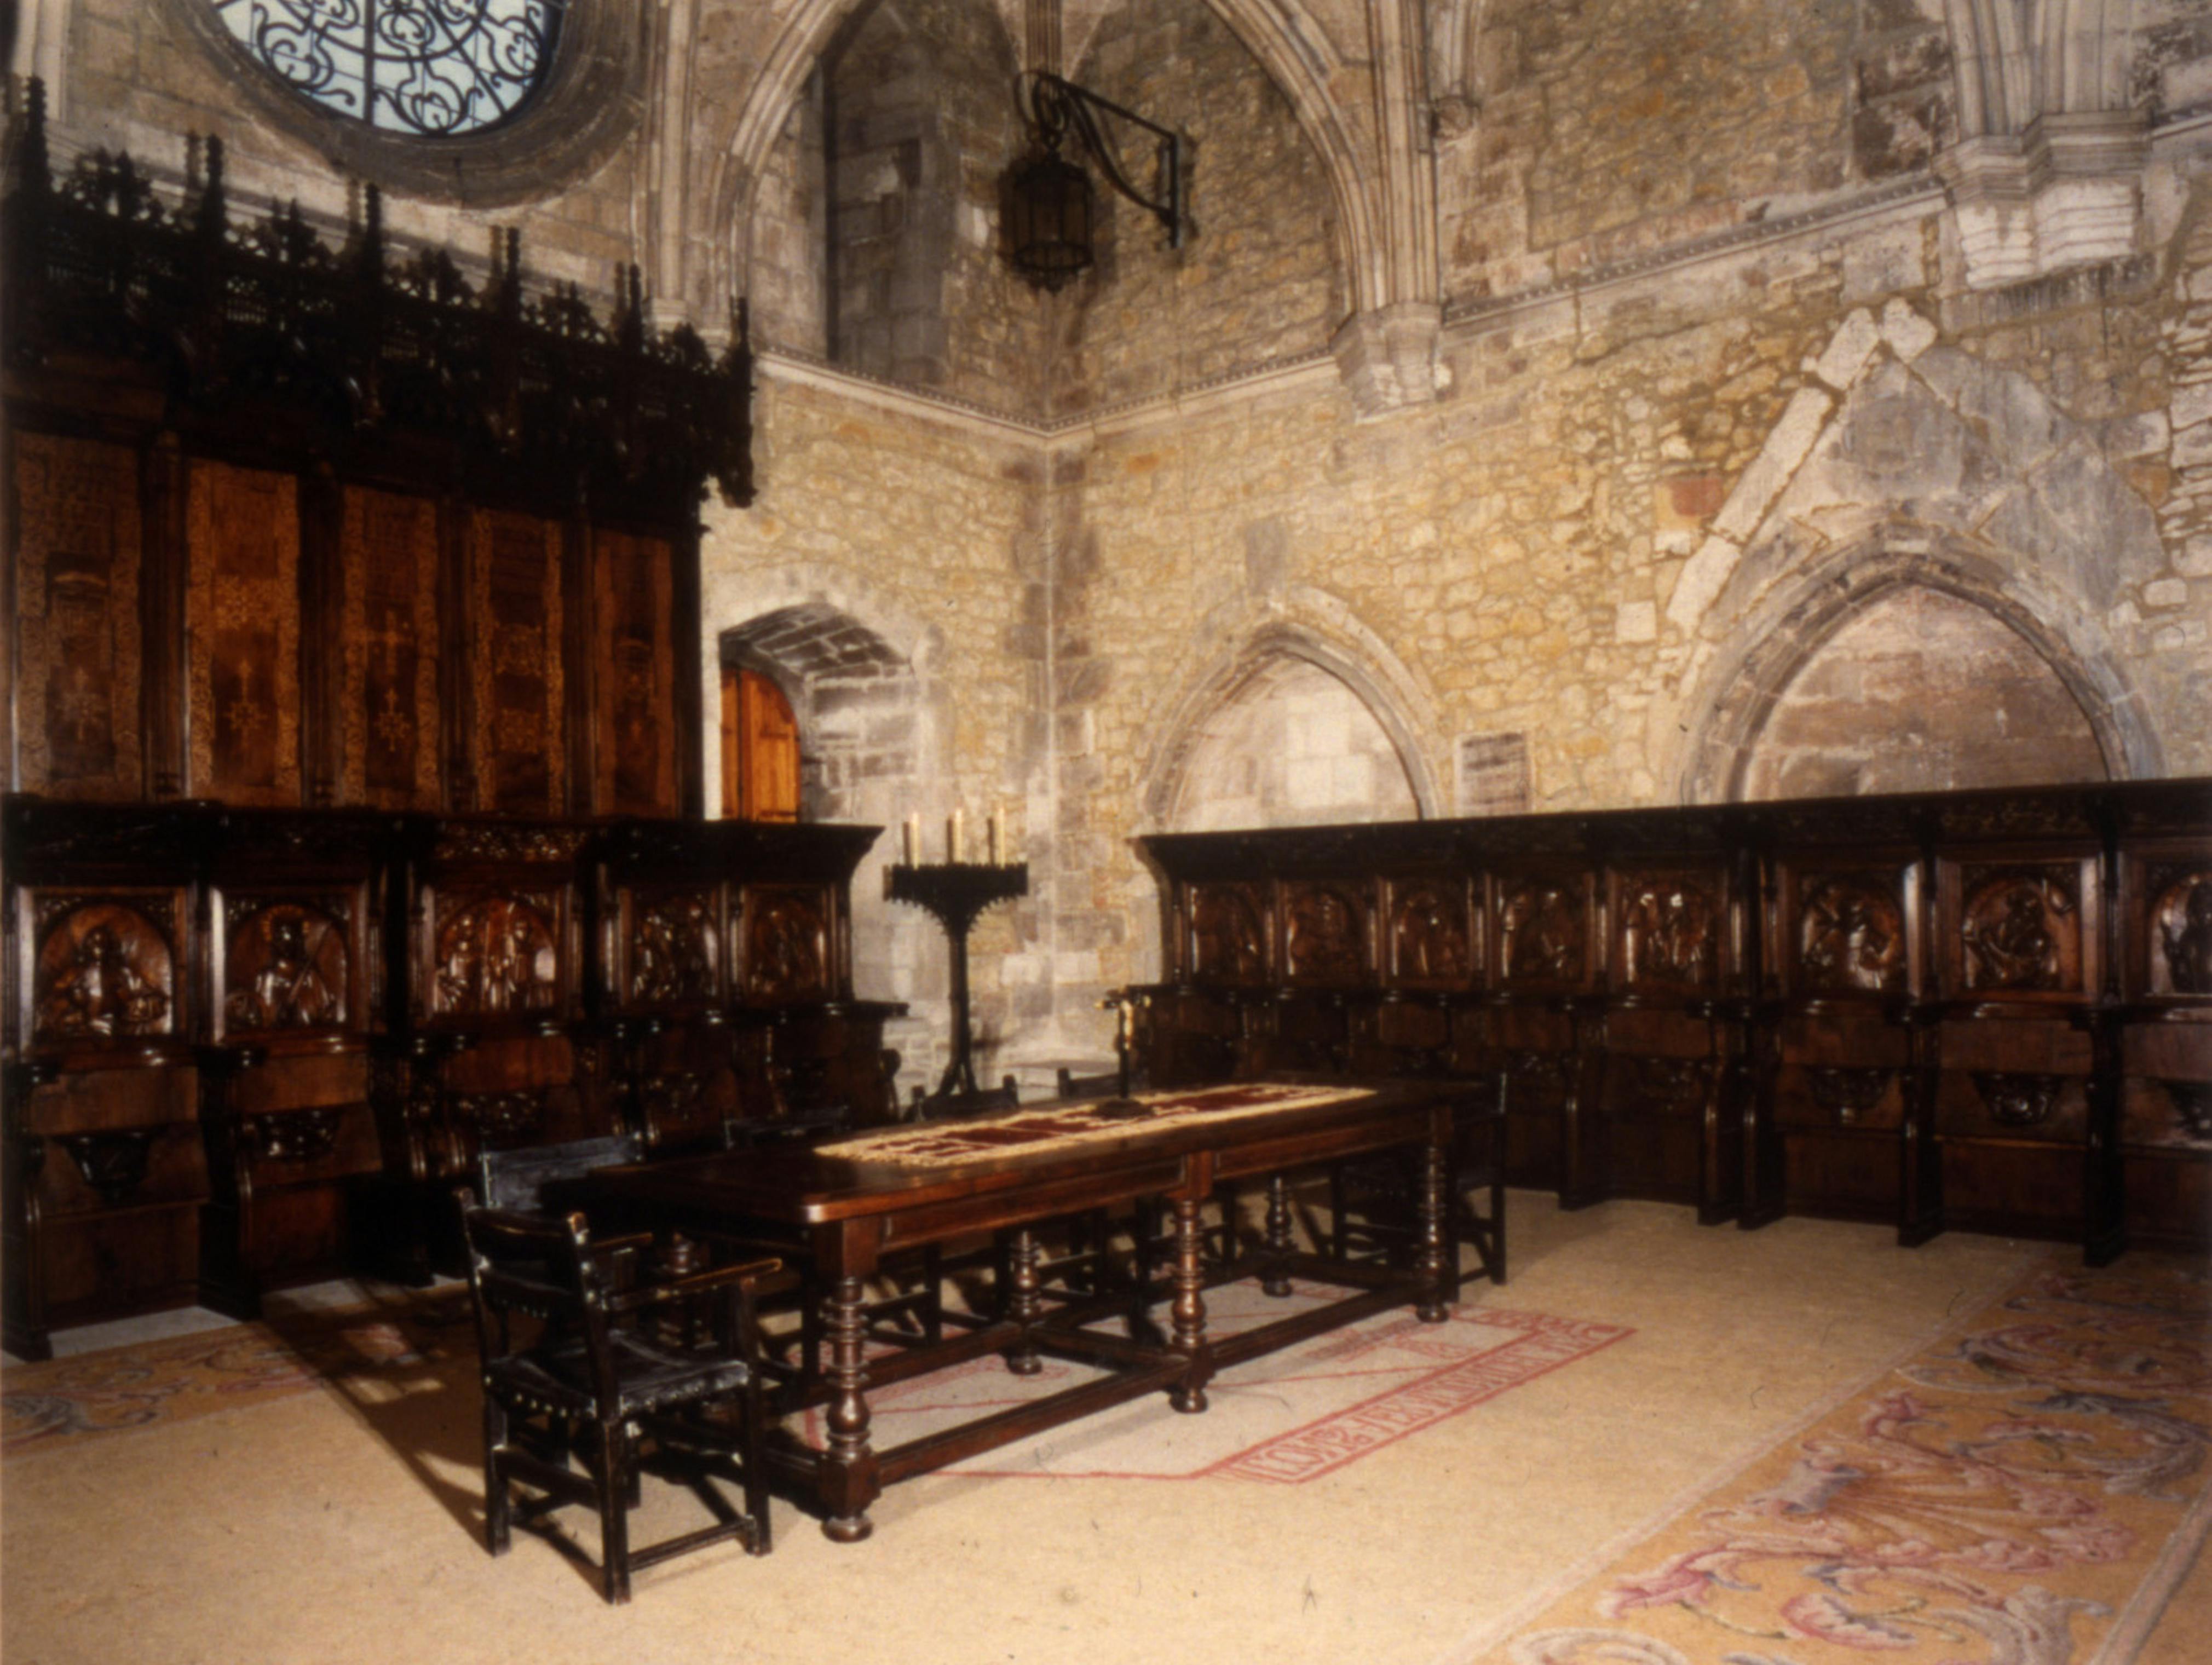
(1091, 1122)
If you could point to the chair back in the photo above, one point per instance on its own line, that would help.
(541, 1267)
(952, 1106)
(516, 1180)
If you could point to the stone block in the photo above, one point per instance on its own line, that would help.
(1637, 621)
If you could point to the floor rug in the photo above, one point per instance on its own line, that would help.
(2029, 1491)
(1289, 1416)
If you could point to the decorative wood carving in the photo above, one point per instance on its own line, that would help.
(672, 946)
(1675, 1084)
(1850, 933)
(243, 620)
(2181, 931)
(497, 954)
(1228, 944)
(1323, 941)
(1669, 930)
(294, 1136)
(1847, 1093)
(1541, 931)
(389, 545)
(285, 964)
(497, 842)
(521, 750)
(636, 719)
(78, 625)
(1430, 941)
(106, 970)
(786, 945)
(2020, 928)
(113, 1163)
(2019, 1100)
(2192, 1108)
(496, 1119)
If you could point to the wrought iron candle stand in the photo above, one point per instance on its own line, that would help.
(956, 893)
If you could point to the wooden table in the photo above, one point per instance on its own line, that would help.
(850, 1210)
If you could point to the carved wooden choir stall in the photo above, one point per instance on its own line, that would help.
(355, 672)
(1983, 1010)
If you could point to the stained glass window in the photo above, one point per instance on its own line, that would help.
(434, 68)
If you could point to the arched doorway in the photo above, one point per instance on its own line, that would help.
(760, 748)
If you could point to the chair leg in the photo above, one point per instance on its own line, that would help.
(756, 1475)
(614, 1478)
(498, 1506)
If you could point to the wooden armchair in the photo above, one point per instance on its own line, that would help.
(565, 1367)
(1373, 1201)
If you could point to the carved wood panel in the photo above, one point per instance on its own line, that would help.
(1324, 932)
(1846, 933)
(104, 966)
(2179, 926)
(1668, 929)
(496, 952)
(242, 613)
(1431, 938)
(672, 945)
(1227, 940)
(76, 618)
(287, 962)
(2019, 928)
(633, 595)
(1543, 929)
(389, 547)
(521, 760)
(786, 933)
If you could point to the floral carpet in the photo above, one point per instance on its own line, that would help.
(2028, 1492)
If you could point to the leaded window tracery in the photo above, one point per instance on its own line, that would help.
(430, 69)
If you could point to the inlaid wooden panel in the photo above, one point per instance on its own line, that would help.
(287, 962)
(2020, 928)
(1543, 928)
(1670, 928)
(76, 618)
(1845, 930)
(389, 548)
(496, 952)
(785, 930)
(2179, 928)
(670, 944)
(1228, 933)
(516, 659)
(1324, 932)
(632, 594)
(104, 966)
(242, 613)
(1430, 940)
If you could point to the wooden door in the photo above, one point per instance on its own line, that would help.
(760, 750)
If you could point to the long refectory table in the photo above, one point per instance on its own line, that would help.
(851, 1204)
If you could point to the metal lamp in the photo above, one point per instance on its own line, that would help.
(1047, 197)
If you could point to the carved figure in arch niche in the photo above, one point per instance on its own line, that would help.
(672, 956)
(2011, 934)
(1323, 938)
(105, 972)
(1227, 937)
(1851, 935)
(783, 949)
(1429, 936)
(495, 956)
(1541, 931)
(1666, 934)
(2184, 916)
(286, 968)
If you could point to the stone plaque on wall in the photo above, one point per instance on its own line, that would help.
(516, 559)
(242, 614)
(390, 554)
(636, 714)
(76, 618)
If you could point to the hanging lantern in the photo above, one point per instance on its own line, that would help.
(1049, 219)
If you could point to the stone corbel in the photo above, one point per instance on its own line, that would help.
(1387, 357)
(2065, 193)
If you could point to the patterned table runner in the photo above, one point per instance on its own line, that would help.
(1093, 1121)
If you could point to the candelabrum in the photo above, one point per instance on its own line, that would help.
(956, 893)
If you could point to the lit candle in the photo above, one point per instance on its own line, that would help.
(952, 838)
(997, 836)
(913, 839)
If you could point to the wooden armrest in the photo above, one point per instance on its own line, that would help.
(744, 1276)
(630, 1243)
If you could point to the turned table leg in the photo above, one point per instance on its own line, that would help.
(1024, 1305)
(848, 1465)
(1189, 1310)
(1276, 1281)
(1433, 1308)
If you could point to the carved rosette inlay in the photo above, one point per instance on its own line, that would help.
(285, 966)
(1848, 1095)
(498, 954)
(2181, 932)
(1227, 944)
(672, 950)
(2019, 1100)
(105, 971)
(295, 1135)
(1428, 937)
(2021, 929)
(1322, 939)
(1850, 933)
(1669, 930)
(787, 945)
(1541, 932)
(112, 1163)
